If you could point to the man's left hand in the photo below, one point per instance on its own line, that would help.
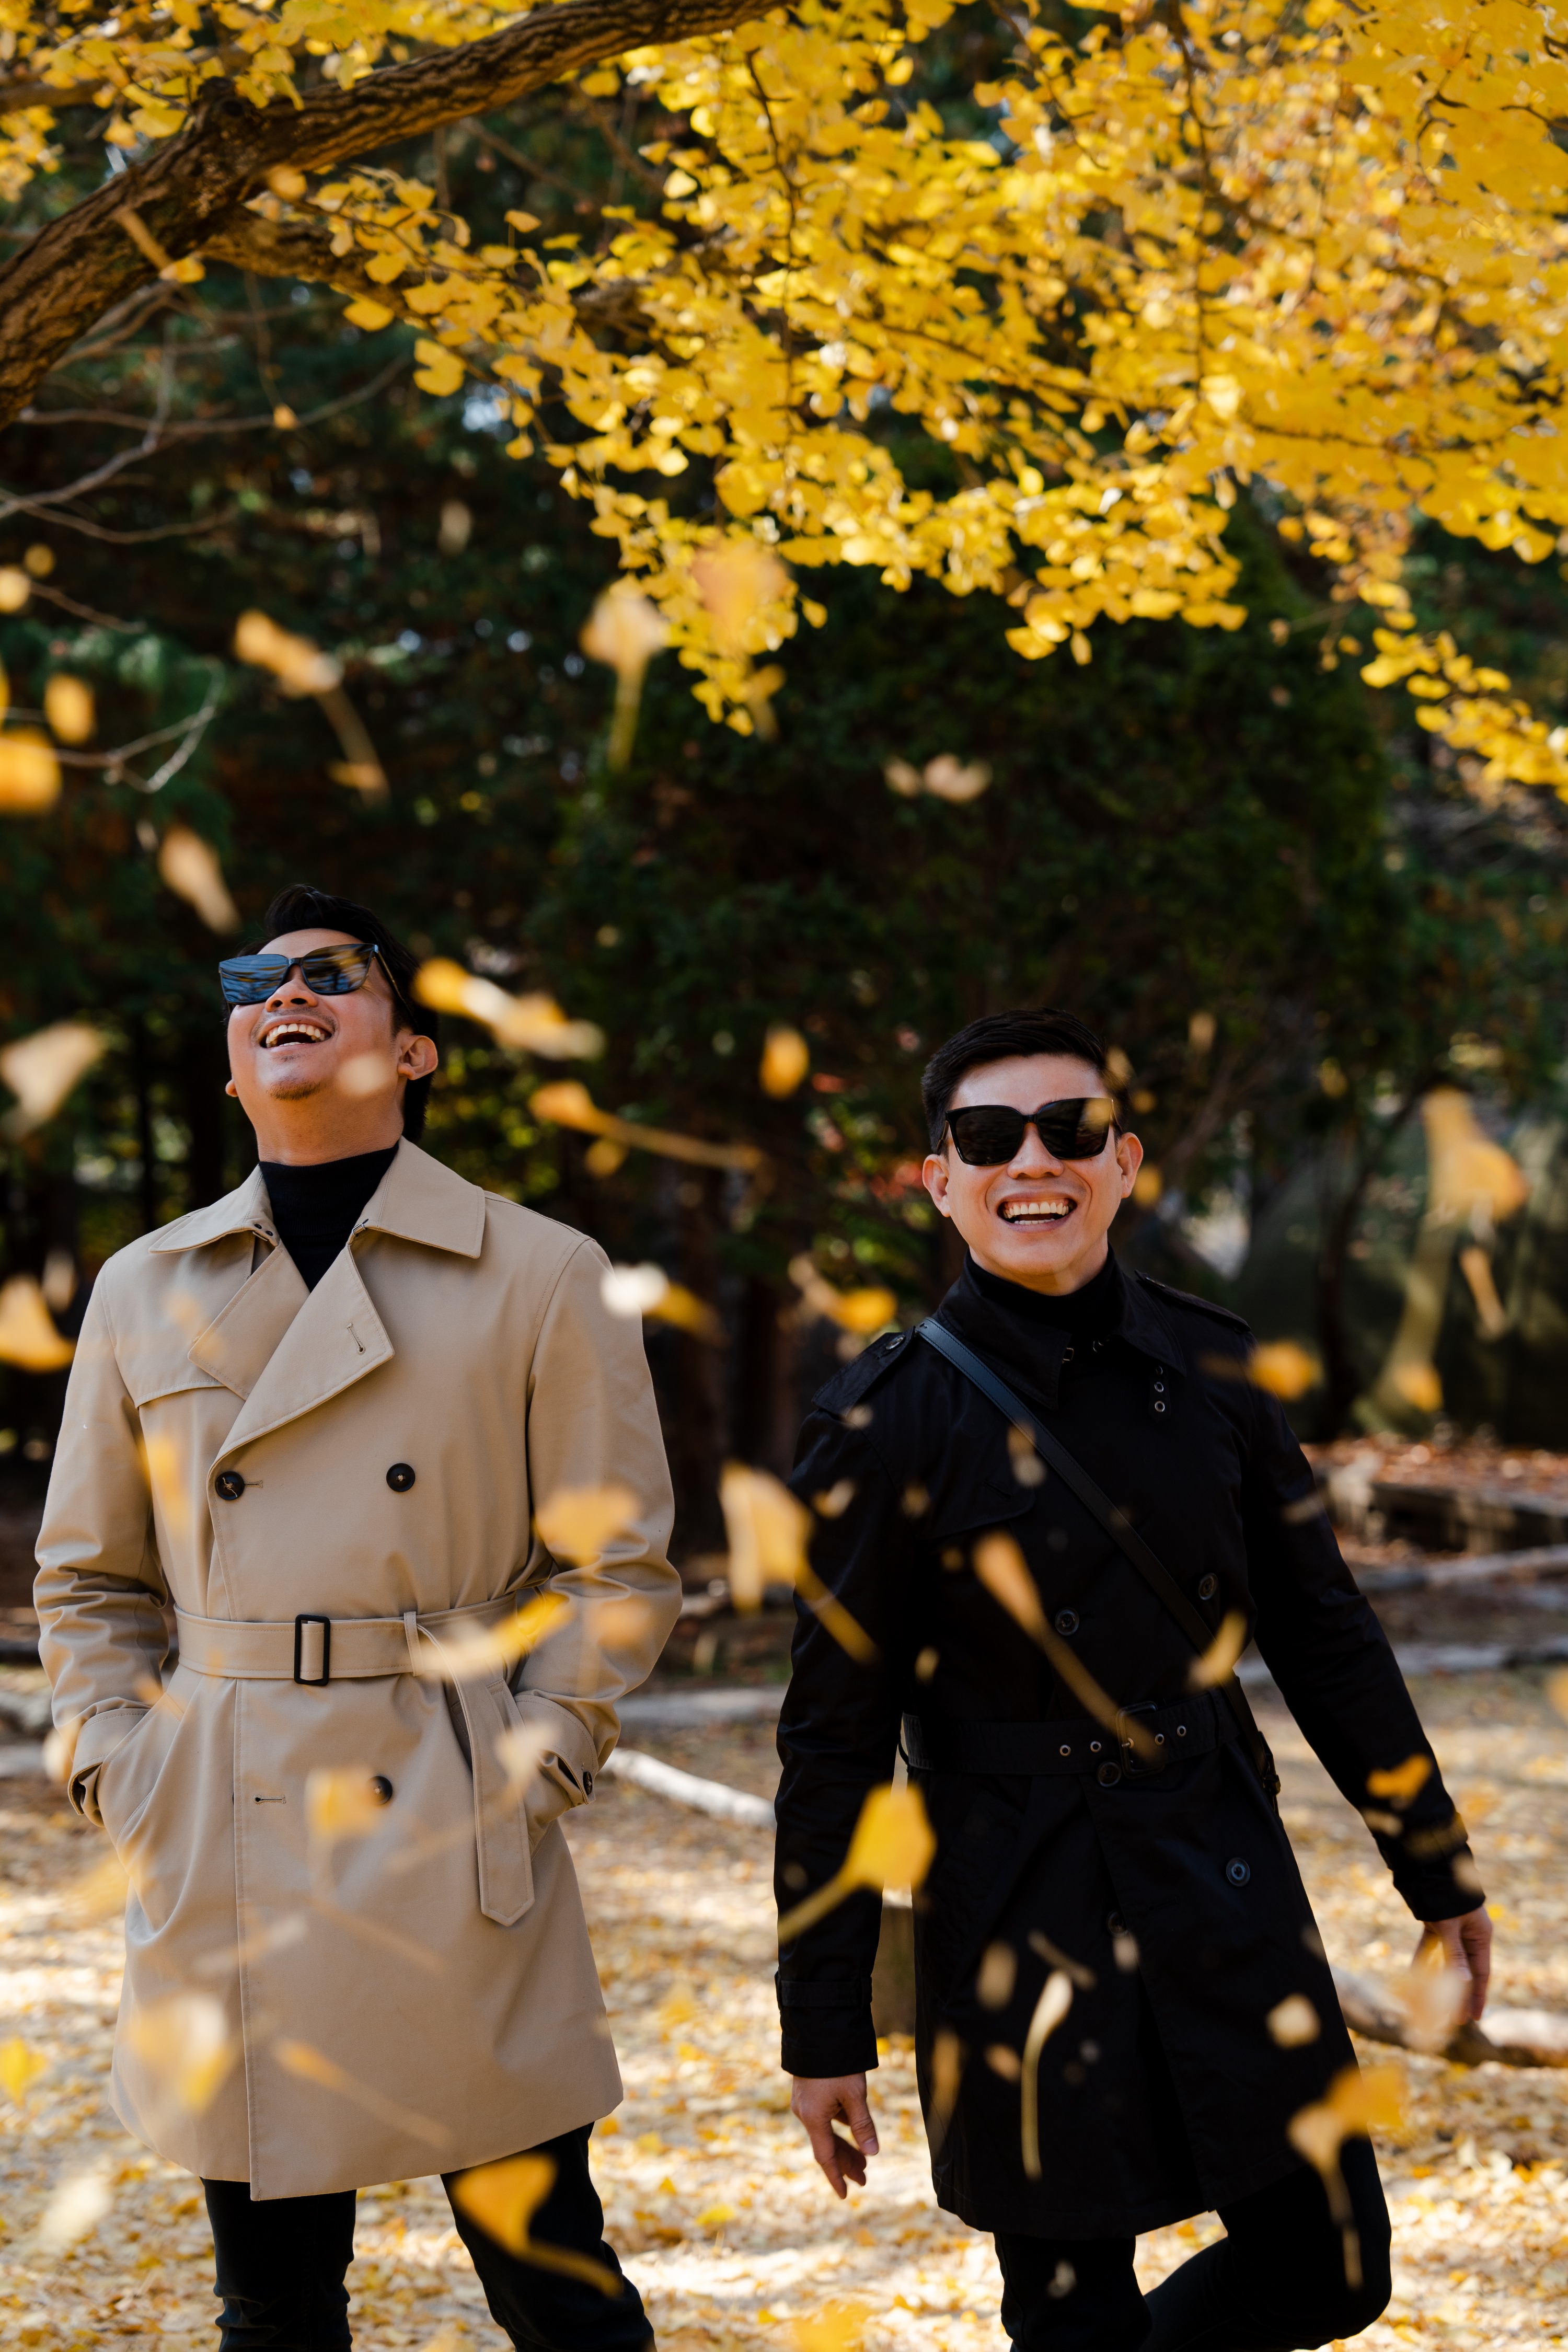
(1466, 1947)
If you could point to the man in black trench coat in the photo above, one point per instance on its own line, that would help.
(1156, 1879)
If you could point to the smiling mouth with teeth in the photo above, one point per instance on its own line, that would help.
(1035, 1212)
(293, 1033)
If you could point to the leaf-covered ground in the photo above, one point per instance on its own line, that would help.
(709, 2192)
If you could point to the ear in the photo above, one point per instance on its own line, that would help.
(1129, 1158)
(232, 1089)
(934, 1176)
(417, 1057)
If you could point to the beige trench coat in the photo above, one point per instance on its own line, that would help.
(420, 1995)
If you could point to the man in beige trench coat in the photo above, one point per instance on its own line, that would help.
(291, 1524)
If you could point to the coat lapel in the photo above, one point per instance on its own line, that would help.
(237, 1345)
(295, 1349)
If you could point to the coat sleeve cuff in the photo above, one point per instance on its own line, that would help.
(827, 2026)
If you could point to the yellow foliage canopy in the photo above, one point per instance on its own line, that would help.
(1224, 242)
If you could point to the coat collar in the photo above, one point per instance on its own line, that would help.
(417, 1199)
(1036, 1352)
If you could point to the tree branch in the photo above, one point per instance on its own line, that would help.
(182, 193)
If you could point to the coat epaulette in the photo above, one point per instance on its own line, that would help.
(1203, 1306)
(849, 1387)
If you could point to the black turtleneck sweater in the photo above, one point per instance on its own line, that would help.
(1091, 1313)
(314, 1208)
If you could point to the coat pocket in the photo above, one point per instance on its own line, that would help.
(127, 1795)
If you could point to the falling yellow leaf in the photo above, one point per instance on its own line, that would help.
(893, 1845)
(1358, 2100)
(566, 1102)
(191, 870)
(186, 2043)
(736, 581)
(862, 1312)
(1467, 1172)
(29, 772)
(998, 1972)
(14, 588)
(902, 779)
(950, 780)
(1476, 1268)
(648, 1290)
(1402, 1781)
(1433, 1996)
(535, 1022)
(1419, 1384)
(299, 666)
(1147, 1185)
(946, 2075)
(287, 181)
(1284, 1368)
(307, 2064)
(1000, 1566)
(468, 1656)
(40, 559)
(74, 2211)
(786, 1058)
(41, 1070)
(68, 707)
(504, 2197)
(1056, 2000)
(20, 2066)
(604, 1158)
(577, 1522)
(1217, 1662)
(624, 630)
(342, 1802)
(27, 1334)
(163, 1462)
(1293, 2022)
(768, 1531)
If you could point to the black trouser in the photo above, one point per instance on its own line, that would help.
(1278, 2281)
(281, 2268)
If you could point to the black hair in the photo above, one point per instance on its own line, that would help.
(997, 1038)
(302, 908)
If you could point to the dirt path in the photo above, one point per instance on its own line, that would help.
(710, 2193)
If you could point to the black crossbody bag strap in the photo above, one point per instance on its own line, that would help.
(1117, 1525)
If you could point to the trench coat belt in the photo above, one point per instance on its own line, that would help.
(350, 1649)
(939, 1743)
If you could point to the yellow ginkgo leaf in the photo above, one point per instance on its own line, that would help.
(68, 708)
(1402, 1782)
(342, 1801)
(1285, 1367)
(786, 1058)
(894, 1841)
(27, 1334)
(837, 2328)
(185, 2044)
(1293, 2022)
(503, 2197)
(768, 1531)
(577, 1522)
(1217, 1662)
(190, 869)
(41, 1070)
(29, 772)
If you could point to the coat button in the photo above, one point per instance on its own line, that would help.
(400, 1477)
(587, 1784)
(1209, 1588)
(1115, 1924)
(1109, 1775)
(1239, 1871)
(1066, 1622)
(230, 1485)
(381, 1788)
(1158, 1406)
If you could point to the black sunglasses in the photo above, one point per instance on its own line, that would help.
(990, 1134)
(326, 972)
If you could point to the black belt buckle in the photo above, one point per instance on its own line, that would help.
(1133, 1765)
(313, 1682)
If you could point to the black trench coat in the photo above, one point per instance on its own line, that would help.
(1163, 2093)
